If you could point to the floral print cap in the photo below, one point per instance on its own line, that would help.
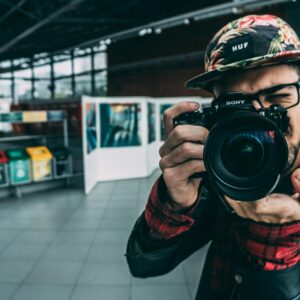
(248, 42)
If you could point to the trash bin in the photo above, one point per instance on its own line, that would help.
(62, 161)
(40, 163)
(4, 179)
(19, 166)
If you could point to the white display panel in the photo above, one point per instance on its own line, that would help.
(122, 136)
(90, 157)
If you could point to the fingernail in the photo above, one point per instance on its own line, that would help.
(194, 104)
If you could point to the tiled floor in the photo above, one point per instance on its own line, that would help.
(63, 245)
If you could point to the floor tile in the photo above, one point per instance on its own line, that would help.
(117, 224)
(37, 236)
(111, 237)
(14, 271)
(54, 273)
(105, 274)
(107, 253)
(45, 223)
(64, 245)
(101, 293)
(7, 290)
(83, 237)
(7, 235)
(82, 223)
(21, 251)
(176, 276)
(165, 292)
(66, 252)
(43, 292)
(14, 223)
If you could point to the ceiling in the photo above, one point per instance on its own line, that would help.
(45, 26)
(37, 26)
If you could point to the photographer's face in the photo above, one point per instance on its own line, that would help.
(252, 81)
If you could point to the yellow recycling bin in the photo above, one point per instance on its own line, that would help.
(41, 163)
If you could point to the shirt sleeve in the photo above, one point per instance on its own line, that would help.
(269, 247)
(163, 221)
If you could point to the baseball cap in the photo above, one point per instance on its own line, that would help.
(248, 42)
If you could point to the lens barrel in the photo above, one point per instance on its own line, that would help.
(244, 155)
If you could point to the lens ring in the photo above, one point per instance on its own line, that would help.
(251, 187)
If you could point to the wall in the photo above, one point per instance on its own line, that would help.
(157, 65)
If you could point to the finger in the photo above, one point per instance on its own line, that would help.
(182, 153)
(236, 206)
(249, 210)
(280, 206)
(175, 111)
(275, 208)
(183, 171)
(295, 179)
(181, 134)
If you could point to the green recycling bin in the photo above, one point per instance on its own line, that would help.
(19, 166)
(62, 161)
(3, 170)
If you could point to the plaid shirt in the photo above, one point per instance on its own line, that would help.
(263, 246)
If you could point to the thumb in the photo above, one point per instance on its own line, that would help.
(295, 179)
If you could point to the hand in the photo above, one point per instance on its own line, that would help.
(182, 156)
(274, 208)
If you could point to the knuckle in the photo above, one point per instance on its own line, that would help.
(168, 174)
(195, 165)
(258, 208)
(161, 151)
(186, 148)
(162, 164)
(203, 134)
(167, 114)
(178, 132)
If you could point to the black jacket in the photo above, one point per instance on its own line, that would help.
(147, 257)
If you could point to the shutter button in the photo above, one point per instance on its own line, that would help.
(238, 278)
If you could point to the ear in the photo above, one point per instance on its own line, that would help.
(295, 179)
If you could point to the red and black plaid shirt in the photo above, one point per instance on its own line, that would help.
(265, 246)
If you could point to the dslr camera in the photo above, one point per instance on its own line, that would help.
(245, 154)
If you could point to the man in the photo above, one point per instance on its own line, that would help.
(255, 251)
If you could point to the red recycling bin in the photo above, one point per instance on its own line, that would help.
(4, 178)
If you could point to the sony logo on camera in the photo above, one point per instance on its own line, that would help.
(235, 102)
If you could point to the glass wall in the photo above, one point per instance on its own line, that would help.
(101, 83)
(63, 88)
(5, 85)
(83, 85)
(23, 84)
(63, 76)
(82, 64)
(63, 68)
(42, 83)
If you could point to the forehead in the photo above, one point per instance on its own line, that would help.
(253, 80)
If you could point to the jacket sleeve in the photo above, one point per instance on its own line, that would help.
(270, 261)
(152, 254)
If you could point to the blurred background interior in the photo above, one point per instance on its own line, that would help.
(83, 86)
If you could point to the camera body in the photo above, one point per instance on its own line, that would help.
(232, 103)
(245, 153)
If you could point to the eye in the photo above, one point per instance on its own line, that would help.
(278, 97)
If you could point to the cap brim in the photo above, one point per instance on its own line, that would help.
(204, 80)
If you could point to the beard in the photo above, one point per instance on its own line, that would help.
(293, 153)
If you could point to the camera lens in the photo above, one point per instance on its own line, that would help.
(243, 154)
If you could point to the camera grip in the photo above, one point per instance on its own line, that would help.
(191, 118)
